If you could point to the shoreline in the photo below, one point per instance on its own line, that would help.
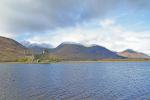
(81, 61)
(106, 61)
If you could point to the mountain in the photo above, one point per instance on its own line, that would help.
(10, 49)
(36, 48)
(80, 52)
(133, 54)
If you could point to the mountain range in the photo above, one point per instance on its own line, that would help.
(11, 50)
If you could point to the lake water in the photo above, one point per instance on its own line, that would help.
(75, 81)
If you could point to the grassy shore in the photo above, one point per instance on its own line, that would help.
(80, 61)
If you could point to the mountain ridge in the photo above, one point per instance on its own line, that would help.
(81, 52)
(10, 50)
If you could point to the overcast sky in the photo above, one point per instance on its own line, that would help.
(115, 24)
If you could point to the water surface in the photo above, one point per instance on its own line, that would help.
(75, 81)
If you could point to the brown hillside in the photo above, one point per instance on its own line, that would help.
(10, 50)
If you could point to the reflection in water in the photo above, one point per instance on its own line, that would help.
(75, 81)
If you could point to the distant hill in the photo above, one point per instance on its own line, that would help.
(36, 48)
(133, 54)
(80, 52)
(11, 49)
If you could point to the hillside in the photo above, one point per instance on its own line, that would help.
(133, 54)
(80, 52)
(10, 50)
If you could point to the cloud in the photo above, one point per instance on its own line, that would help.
(84, 21)
(24, 16)
(106, 22)
(114, 36)
(7, 35)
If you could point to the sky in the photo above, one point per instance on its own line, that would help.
(115, 24)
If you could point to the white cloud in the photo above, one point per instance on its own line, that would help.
(110, 35)
(7, 35)
(107, 22)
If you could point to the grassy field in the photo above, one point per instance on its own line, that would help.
(28, 61)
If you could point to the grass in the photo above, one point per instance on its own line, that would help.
(45, 59)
